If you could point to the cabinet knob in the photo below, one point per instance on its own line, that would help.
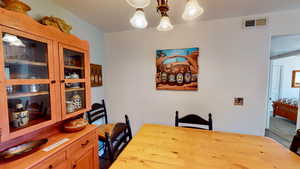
(50, 167)
(53, 81)
(85, 144)
(74, 166)
(62, 81)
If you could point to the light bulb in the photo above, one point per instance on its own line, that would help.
(139, 20)
(192, 10)
(165, 24)
(139, 3)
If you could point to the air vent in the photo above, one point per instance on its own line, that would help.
(255, 22)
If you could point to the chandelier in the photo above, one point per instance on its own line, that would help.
(192, 11)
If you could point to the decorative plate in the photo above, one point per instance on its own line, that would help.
(164, 77)
(22, 149)
(180, 78)
(172, 78)
(188, 77)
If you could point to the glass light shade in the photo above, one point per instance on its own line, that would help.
(192, 10)
(139, 20)
(139, 3)
(165, 24)
(13, 40)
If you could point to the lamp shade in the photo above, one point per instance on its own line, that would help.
(192, 10)
(139, 3)
(139, 20)
(165, 24)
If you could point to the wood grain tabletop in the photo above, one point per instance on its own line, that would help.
(165, 147)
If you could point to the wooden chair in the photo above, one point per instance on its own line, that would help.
(98, 111)
(116, 142)
(295, 146)
(195, 120)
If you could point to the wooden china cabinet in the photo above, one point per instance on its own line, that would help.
(46, 73)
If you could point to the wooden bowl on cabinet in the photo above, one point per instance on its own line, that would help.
(75, 125)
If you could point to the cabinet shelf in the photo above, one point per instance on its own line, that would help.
(24, 62)
(73, 67)
(74, 89)
(27, 94)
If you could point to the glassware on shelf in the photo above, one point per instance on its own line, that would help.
(74, 104)
(74, 62)
(74, 76)
(9, 89)
(75, 97)
(34, 87)
(7, 73)
(70, 107)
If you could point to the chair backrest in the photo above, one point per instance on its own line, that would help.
(98, 111)
(195, 120)
(118, 139)
(295, 146)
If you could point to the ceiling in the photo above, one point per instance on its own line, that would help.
(285, 44)
(113, 15)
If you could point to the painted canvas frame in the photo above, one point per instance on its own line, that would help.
(177, 69)
(96, 75)
(296, 79)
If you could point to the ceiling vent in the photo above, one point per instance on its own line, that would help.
(255, 22)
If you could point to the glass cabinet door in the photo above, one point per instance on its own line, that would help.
(28, 105)
(29, 80)
(75, 81)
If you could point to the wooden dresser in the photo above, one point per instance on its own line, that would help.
(80, 152)
(285, 110)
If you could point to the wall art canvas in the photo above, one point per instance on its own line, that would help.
(96, 75)
(177, 69)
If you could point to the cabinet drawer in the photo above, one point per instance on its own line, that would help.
(54, 162)
(81, 146)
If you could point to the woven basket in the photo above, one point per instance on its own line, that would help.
(17, 6)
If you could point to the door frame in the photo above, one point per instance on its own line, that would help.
(267, 122)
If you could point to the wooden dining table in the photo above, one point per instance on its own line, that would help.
(165, 147)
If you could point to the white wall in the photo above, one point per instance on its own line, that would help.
(81, 29)
(233, 62)
(287, 66)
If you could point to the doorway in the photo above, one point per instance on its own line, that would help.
(283, 100)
